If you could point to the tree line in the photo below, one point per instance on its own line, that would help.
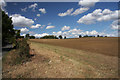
(80, 36)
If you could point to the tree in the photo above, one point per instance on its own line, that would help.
(65, 37)
(17, 34)
(105, 36)
(27, 36)
(80, 36)
(32, 37)
(98, 36)
(60, 36)
(49, 37)
(8, 33)
(21, 37)
(86, 36)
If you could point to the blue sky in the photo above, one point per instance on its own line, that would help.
(59, 18)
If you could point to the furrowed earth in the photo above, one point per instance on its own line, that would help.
(69, 58)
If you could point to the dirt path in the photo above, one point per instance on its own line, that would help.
(59, 62)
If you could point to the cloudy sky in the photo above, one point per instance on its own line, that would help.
(69, 19)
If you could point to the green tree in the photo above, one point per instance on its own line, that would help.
(105, 36)
(8, 33)
(65, 37)
(49, 37)
(98, 36)
(80, 36)
(32, 37)
(27, 36)
(17, 34)
(86, 36)
(60, 36)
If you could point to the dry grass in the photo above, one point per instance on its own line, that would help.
(60, 62)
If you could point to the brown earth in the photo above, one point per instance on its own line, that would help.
(61, 62)
(107, 46)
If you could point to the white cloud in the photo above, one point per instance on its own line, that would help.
(24, 9)
(116, 25)
(110, 16)
(24, 30)
(65, 28)
(35, 26)
(21, 21)
(33, 6)
(31, 32)
(87, 19)
(48, 27)
(41, 35)
(88, 3)
(57, 33)
(23, 35)
(38, 15)
(79, 11)
(68, 12)
(76, 32)
(93, 32)
(106, 11)
(69, 33)
(97, 12)
(99, 15)
(42, 10)
(85, 6)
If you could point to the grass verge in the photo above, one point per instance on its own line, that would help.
(18, 55)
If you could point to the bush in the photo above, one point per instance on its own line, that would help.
(18, 55)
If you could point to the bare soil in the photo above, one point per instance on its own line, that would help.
(61, 62)
(106, 46)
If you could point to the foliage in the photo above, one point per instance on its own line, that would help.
(49, 37)
(80, 36)
(8, 32)
(18, 55)
(27, 36)
(32, 37)
(98, 36)
(17, 34)
(60, 36)
(21, 37)
(86, 36)
(65, 37)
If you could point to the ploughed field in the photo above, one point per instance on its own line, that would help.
(68, 58)
(106, 46)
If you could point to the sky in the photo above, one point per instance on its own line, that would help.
(69, 19)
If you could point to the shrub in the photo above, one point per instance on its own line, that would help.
(18, 55)
(60, 36)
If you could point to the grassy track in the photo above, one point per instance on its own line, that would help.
(97, 64)
(60, 62)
